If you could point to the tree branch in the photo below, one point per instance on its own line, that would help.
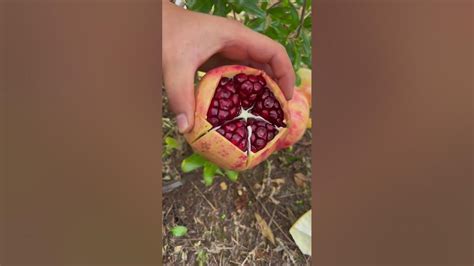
(302, 19)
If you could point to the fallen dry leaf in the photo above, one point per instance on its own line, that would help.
(223, 185)
(278, 181)
(264, 228)
(178, 249)
(300, 179)
(301, 233)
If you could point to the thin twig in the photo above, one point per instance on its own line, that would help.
(271, 219)
(208, 202)
(288, 195)
(301, 20)
(267, 212)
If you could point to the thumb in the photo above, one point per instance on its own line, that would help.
(179, 86)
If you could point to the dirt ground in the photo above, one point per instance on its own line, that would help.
(221, 221)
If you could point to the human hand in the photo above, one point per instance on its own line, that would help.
(193, 41)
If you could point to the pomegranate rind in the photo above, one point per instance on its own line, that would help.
(201, 126)
(305, 86)
(216, 148)
(299, 111)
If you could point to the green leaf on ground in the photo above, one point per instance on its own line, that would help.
(202, 257)
(232, 175)
(179, 231)
(192, 162)
(209, 173)
(171, 143)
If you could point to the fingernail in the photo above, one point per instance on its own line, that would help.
(182, 122)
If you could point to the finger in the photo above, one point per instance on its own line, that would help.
(218, 60)
(249, 45)
(264, 67)
(179, 85)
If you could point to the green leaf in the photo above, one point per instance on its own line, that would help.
(301, 2)
(290, 50)
(209, 173)
(291, 159)
(251, 7)
(219, 171)
(307, 61)
(192, 162)
(282, 29)
(307, 23)
(298, 80)
(276, 32)
(306, 42)
(203, 6)
(172, 143)
(287, 15)
(202, 258)
(232, 175)
(220, 8)
(236, 5)
(257, 24)
(179, 231)
(283, 3)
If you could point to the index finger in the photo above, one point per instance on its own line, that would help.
(245, 44)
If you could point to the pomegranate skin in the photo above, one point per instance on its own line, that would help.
(299, 106)
(205, 140)
(299, 113)
(305, 86)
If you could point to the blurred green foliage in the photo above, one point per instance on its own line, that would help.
(287, 22)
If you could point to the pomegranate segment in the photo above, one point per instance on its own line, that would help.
(225, 104)
(236, 132)
(268, 107)
(249, 87)
(262, 133)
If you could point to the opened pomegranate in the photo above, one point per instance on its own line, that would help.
(241, 117)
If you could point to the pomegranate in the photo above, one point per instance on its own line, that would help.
(241, 117)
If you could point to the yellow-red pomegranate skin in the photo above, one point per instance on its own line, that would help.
(299, 113)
